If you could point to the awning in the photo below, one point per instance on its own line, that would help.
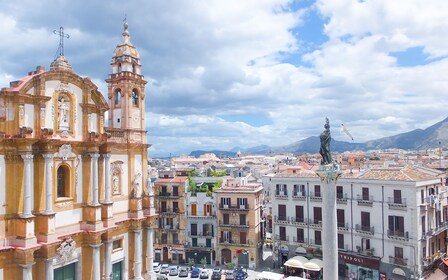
(300, 250)
(314, 265)
(296, 262)
(267, 275)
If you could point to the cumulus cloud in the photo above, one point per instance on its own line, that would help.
(206, 59)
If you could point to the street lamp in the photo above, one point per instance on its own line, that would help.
(195, 256)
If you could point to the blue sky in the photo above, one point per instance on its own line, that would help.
(244, 73)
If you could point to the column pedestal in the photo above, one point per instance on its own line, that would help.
(329, 175)
(24, 232)
(107, 214)
(46, 230)
(91, 218)
(135, 208)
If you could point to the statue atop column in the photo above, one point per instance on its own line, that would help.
(325, 139)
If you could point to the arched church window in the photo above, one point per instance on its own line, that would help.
(135, 97)
(63, 112)
(63, 181)
(118, 96)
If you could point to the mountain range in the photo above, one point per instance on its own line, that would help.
(417, 139)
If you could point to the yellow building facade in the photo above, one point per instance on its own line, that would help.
(76, 199)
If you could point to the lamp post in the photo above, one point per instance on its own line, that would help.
(195, 256)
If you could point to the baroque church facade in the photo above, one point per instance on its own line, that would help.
(76, 201)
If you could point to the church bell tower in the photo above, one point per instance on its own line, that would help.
(126, 88)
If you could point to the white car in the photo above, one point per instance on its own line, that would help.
(156, 267)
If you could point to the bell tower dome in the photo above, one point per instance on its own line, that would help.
(126, 88)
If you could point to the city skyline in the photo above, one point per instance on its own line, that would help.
(226, 74)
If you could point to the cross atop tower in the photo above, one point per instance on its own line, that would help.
(62, 35)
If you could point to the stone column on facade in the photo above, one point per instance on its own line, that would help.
(48, 183)
(108, 259)
(96, 271)
(138, 254)
(329, 175)
(150, 250)
(28, 160)
(27, 271)
(95, 157)
(107, 186)
(49, 270)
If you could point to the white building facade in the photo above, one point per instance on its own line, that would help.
(391, 222)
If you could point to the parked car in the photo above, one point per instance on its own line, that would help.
(173, 271)
(161, 277)
(156, 267)
(230, 274)
(240, 275)
(195, 272)
(203, 274)
(183, 272)
(216, 273)
(164, 269)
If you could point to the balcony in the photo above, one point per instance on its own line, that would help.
(300, 240)
(398, 235)
(167, 241)
(315, 196)
(343, 226)
(120, 135)
(225, 241)
(234, 224)
(168, 195)
(281, 219)
(298, 221)
(341, 198)
(396, 203)
(279, 194)
(169, 227)
(199, 247)
(299, 195)
(281, 237)
(365, 200)
(398, 261)
(200, 215)
(316, 223)
(200, 234)
(167, 211)
(365, 229)
(232, 207)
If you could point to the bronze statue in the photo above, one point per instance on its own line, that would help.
(325, 139)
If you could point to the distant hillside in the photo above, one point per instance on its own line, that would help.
(412, 140)
(198, 153)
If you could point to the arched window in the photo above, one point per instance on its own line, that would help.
(117, 96)
(119, 67)
(135, 97)
(63, 181)
(133, 68)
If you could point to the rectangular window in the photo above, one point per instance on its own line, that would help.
(299, 214)
(242, 237)
(317, 191)
(318, 237)
(396, 226)
(193, 209)
(340, 214)
(317, 214)
(65, 272)
(194, 229)
(339, 192)
(282, 233)
(341, 241)
(300, 235)
(242, 219)
(282, 212)
(175, 207)
(117, 244)
(423, 225)
(365, 221)
(175, 191)
(225, 201)
(397, 196)
(399, 252)
(365, 194)
(422, 196)
(175, 238)
(365, 243)
(226, 217)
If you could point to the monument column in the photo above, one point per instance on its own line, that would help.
(328, 173)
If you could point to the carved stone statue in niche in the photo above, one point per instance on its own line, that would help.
(63, 113)
(137, 186)
(116, 183)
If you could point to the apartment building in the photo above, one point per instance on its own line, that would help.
(170, 235)
(202, 223)
(391, 221)
(240, 224)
